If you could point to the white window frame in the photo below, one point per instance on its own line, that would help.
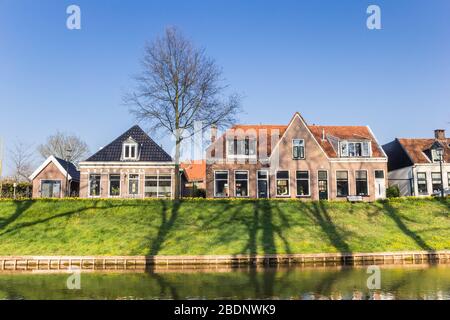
(130, 145)
(348, 182)
(347, 154)
(228, 183)
(426, 182)
(157, 185)
(328, 184)
(266, 179)
(109, 185)
(248, 183)
(304, 149)
(89, 185)
(309, 184)
(289, 184)
(138, 184)
(241, 156)
(368, 179)
(61, 194)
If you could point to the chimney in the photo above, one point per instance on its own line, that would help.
(439, 134)
(323, 134)
(213, 133)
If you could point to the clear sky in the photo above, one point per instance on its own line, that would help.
(315, 57)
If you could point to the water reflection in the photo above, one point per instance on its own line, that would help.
(307, 283)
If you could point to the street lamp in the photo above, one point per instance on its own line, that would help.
(68, 154)
(440, 156)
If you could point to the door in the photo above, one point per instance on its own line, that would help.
(380, 184)
(50, 189)
(263, 184)
(323, 185)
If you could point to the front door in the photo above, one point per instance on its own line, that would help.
(323, 185)
(51, 188)
(263, 183)
(380, 184)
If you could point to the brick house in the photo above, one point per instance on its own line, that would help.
(414, 164)
(195, 172)
(131, 166)
(49, 179)
(296, 161)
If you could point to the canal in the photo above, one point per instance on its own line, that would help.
(397, 282)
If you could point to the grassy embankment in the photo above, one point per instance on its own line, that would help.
(136, 227)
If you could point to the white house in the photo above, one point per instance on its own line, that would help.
(414, 165)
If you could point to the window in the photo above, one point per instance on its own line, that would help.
(221, 184)
(262, 183)
(302, 183)
(436, 181)
(94, 185)
(298, 149)
(448, 178)
(114, 185)
(129, 151)
(422, 183)
(241, 147)
(158, 186)
(362, 187)
(282, 183)
(435, 155)
(241, 183)
(342, 183)
(133, 184)
(165, 186)
(355, 149)
(379, 174)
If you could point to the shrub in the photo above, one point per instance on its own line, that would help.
(199, 193)
(393, 192)
(23, 190)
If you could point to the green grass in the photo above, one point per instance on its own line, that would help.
(136, 227)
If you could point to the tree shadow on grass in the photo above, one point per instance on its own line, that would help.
(318, 213)
(392, 213)
(165, 227)
(21, 207)
(40, 221)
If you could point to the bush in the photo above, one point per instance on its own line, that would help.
(199, 193)
(23, 190)
(393, 192)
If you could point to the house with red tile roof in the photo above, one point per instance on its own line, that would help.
(296, 160)
(415, 164)
(195, 174)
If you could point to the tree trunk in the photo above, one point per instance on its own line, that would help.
(177, 167)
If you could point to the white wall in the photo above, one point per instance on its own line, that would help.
(428, 169)
(401, 178)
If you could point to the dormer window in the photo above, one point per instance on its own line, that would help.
(437, 152)
(241, 147)
(355, 148)
(130, 150)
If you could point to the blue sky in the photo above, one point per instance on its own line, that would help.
(315, 57)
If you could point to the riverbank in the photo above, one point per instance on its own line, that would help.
(220, 227)
(130, 263)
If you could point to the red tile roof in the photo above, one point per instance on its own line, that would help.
(344, 133)
(416, 149)
(194, 170)
(340, 132)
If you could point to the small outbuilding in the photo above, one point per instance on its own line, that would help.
(49, 180)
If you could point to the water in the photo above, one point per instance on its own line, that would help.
(397, 282)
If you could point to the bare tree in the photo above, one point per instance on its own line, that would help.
(180, 85)
(21, 161)
(59, 145)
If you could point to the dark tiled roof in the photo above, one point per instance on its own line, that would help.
(148, 150)
(70, 167)
(397, 157)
